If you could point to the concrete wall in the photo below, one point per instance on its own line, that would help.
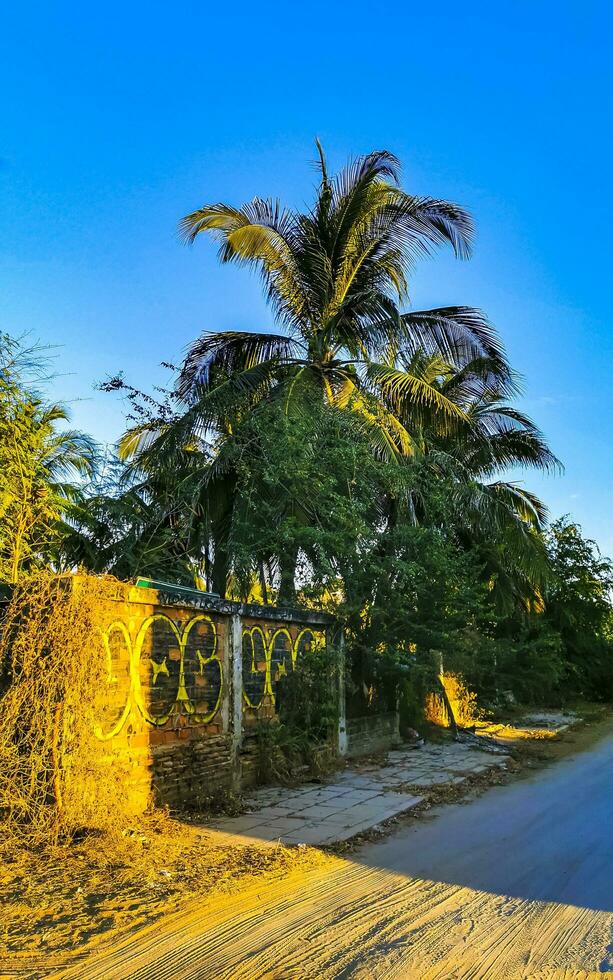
(188, 678)
(371, 733)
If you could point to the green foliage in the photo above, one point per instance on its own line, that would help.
(306, 486)
(561, 647)
(127, 527)
(578, 609)
(303, 736)
(407, 593)
(415, 602)
(307, 697)
(354, 458)
(40, 460)
(534, 665)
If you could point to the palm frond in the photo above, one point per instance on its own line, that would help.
(506, 449)
(528, 507)
(458, 334)
(480, 381)
(405, 390)
(261, 233)
(359, 173)
(441, 222)
(229, 353)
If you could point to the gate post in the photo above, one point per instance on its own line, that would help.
(235, 650)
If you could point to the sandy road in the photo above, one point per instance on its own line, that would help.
(518, 883)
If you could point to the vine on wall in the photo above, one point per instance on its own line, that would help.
(54, 777)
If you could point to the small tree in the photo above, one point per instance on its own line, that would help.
(579, 608)
(38, 459)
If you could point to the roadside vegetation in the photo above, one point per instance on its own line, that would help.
(356, 457)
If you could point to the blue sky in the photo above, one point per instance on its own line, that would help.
(117, 119)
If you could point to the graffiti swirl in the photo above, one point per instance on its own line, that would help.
(265, 664)
(162, 671)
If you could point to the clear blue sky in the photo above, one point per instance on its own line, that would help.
(117, 119)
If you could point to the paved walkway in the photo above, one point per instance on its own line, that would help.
(356, 800)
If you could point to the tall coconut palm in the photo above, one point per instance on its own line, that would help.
(336, 278)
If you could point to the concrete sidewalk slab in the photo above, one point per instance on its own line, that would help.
(355, 800)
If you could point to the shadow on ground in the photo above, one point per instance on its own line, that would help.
(547, 838)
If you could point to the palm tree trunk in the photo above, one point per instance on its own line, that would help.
(16, 557)
(207, 566)
(287, 584)
(220, 569)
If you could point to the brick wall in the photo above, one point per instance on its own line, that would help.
(189, 676)
(271, 650)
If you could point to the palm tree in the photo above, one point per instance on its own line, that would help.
(433, 383)
(336, 278)
(498, 516)
(39, 463)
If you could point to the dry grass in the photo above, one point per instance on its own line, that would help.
(513, 733)
(54, 778)
(463, 703)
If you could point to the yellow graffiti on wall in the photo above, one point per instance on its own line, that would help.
(266, 662)
(183, 675)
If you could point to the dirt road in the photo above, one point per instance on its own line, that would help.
(518, 883)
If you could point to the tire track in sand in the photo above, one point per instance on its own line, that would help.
(344, 921)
